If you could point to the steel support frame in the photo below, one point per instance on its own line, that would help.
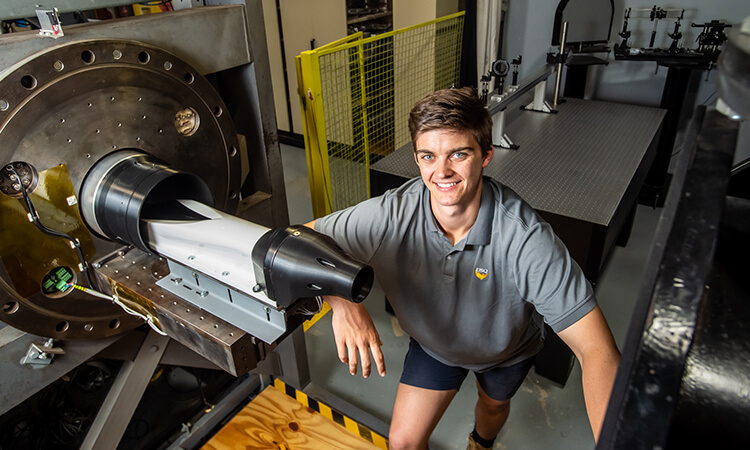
(194, 436)
(19, 382)
(125, 394)
(647, 387)
(218, 41)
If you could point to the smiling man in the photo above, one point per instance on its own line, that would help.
(472, 273)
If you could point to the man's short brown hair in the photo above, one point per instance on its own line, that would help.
(453, 109)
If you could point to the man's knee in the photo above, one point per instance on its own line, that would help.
(404, 439)
(491, 405)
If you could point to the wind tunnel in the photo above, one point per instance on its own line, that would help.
(216, 261)
(153, 188)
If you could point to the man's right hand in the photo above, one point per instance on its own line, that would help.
(355, 334)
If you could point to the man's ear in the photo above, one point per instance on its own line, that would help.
(488, 157)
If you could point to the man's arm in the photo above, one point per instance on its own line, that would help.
(354, 334)
(594, 346)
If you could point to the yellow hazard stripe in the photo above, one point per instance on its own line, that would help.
(351, 425)
(326, 307)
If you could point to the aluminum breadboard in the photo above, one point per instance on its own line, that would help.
(577, 163)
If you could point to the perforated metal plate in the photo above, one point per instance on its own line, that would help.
(577, 163)
(75, 103)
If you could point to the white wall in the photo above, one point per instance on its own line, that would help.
(301, 21)
(528, 31)
(413, 12)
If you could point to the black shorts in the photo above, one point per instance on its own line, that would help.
(423, 371)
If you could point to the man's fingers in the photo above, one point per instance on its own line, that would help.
(377, 355)
(364, 356)
(341, 349)
(352, 359)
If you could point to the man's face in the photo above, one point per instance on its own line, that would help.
(451, 164)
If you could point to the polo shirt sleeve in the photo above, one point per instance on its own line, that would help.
(549, 278)
(358, 230)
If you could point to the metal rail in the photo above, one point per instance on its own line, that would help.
(499, 102)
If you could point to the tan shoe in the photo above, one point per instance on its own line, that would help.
(473, 445)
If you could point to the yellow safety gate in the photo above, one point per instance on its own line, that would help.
(356, 95)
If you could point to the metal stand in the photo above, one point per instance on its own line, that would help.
(499, 138)
(125, 394)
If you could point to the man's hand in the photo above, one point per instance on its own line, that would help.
(355, 333)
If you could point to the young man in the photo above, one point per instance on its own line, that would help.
(472, 273)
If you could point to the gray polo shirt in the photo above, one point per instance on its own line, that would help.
(479, 303)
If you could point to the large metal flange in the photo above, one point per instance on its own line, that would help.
(64, 109)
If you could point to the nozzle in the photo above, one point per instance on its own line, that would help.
(297, 262)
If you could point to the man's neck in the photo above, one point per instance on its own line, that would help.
(456, 221)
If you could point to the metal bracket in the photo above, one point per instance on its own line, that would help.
(41, 355)
(241, 310)
(49, 21)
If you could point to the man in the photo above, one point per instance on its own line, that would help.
(471, 272)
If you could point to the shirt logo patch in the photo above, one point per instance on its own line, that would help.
(481, 273)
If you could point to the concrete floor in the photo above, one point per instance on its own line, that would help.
(543, 415)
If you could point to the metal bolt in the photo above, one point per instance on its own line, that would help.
(191, 257)
(203, 294)
(97, 265)
(257, 288)
(154, 348)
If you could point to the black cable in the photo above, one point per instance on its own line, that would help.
(36, 221)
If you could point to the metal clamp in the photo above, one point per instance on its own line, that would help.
(42, 354)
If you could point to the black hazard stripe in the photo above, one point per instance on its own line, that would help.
(346, 422)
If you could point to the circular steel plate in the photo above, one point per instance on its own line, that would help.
(74, 104)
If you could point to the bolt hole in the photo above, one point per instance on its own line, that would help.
(144, 57)
(62, 326)
(218, 111)
(232, 151)
(232, 195)
(189, 78)
(87, 56)
(114, 324)
(10, 307)
(28, 81)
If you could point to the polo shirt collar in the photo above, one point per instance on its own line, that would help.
(481, 231)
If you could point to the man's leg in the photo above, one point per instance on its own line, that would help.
(490, 415)
(416, 413)
(495, 388)
(426, 389)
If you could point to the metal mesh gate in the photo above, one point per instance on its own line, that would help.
(356, 96)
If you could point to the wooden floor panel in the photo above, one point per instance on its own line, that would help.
(274, 421)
